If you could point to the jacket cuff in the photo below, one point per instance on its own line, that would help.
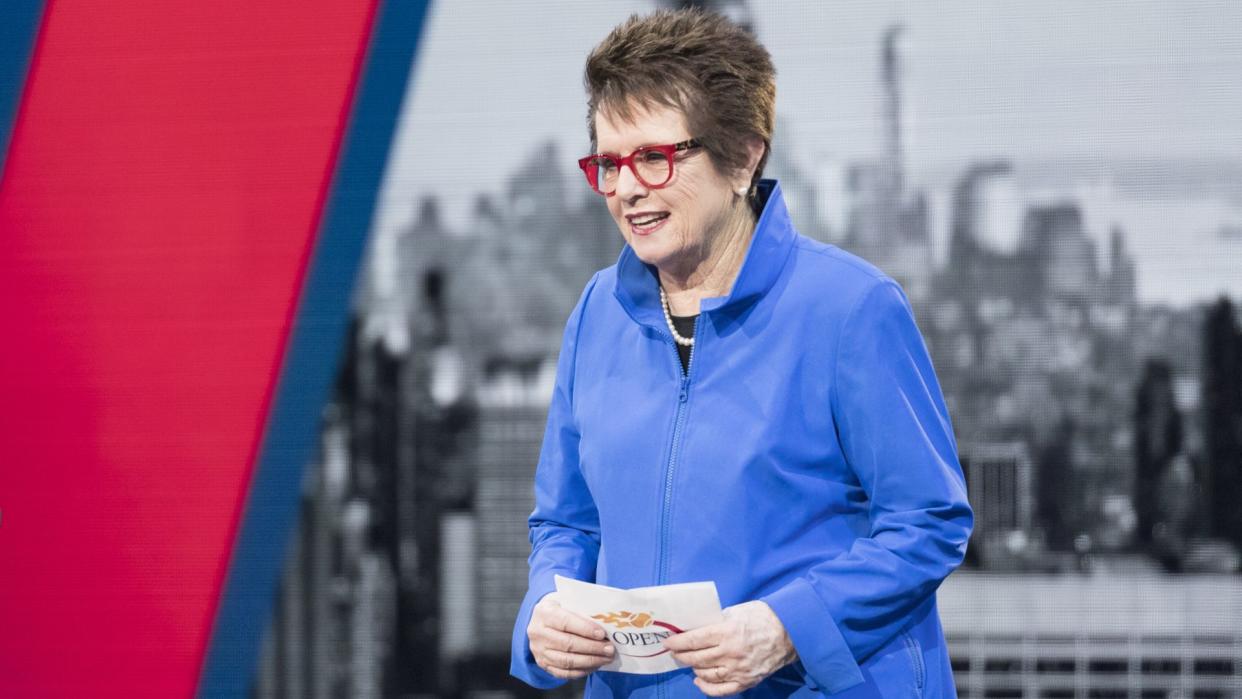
(822, 651)
(521, 662)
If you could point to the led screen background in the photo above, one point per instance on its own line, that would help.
(1057, 185)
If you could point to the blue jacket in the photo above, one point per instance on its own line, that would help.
(807, 460)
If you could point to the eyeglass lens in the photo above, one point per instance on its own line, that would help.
(652, 167)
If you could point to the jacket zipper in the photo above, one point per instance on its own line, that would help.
(916, 659)
(670, 466)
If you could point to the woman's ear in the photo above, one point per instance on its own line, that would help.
(755, 150)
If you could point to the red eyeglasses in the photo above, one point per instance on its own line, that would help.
(652, 165)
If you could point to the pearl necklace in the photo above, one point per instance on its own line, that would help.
(668, 318)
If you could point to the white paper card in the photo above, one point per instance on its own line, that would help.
(637, 620)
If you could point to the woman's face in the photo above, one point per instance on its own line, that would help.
(674, 227)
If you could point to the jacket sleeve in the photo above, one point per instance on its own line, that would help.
(564, 528)
(895, 434)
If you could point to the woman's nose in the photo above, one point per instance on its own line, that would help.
(628, 184)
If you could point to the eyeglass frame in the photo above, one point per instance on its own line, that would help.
(669, 151)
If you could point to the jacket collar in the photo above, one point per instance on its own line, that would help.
(638, 286)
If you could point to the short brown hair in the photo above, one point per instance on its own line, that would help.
(701, 63)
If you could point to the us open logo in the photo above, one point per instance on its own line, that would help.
(637, 635)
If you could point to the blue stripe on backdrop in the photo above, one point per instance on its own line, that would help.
(19, 25)
(313, 355)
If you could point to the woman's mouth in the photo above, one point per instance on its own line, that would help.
(646, 224)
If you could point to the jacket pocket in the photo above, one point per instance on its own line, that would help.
(915, 651)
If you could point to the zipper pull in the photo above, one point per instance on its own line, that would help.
(685, 385)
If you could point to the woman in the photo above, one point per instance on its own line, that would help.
(735, 402)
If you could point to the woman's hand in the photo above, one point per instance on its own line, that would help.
(565, 644)
(737, 653)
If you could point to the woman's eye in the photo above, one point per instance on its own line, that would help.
(653, 156)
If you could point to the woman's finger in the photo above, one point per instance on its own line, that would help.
(705, 658)
(565, 674)
(718, 689)
(716, 674)
(570, 643)
(573, 661)
(567, 621)
(586, 646)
